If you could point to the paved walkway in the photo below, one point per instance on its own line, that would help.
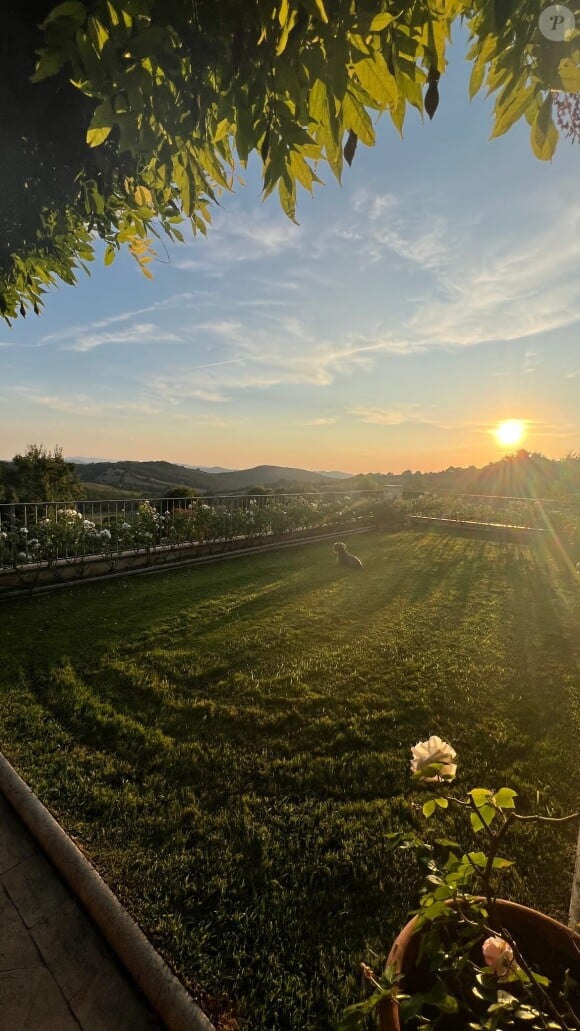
(56, 971)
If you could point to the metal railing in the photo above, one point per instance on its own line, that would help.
(54, 534)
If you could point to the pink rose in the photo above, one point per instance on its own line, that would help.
(498, 955)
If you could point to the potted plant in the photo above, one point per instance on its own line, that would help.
(468, 960)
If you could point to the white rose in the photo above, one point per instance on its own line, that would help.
(425, 753)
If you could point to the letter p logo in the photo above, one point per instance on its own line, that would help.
(557, 23)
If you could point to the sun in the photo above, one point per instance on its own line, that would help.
(510, 432)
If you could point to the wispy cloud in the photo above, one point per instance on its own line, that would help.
(238, 236)
(481, 288)
(83, 405)
(259, 354)
(330, 421)
(391, 416)
(530, 362)
(139, 333)
(183, 301)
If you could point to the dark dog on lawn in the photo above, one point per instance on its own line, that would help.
(344, 557)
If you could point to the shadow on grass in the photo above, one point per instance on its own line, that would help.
(232, 744)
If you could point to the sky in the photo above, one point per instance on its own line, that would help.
(433, 295)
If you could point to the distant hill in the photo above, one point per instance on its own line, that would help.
(81, 460)
(158, 478)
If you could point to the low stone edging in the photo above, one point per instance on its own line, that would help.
(168, 997)
(574, 912)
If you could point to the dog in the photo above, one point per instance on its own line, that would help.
(344, 557)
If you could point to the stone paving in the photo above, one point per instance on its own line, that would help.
(57, 973)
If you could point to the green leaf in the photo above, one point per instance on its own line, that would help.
(381, 21)
(487, 814)
(429, 807)
(48, 64)
(480, 796)
(100, 125)
(502, 864)
(447, 843)
(504, 798)
(476, 824)
(109, 255)
(443, 803)
(72, 10)
(478, 859)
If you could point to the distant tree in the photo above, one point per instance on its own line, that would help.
(182, 493)
(122, 117)
(570, 472)
(258, 489)
(367, 481)
(42, 475)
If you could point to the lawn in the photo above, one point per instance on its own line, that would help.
(230, 745)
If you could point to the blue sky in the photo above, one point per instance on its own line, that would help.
(433, 295)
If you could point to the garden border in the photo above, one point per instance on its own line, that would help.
(166, 994)
(196, 560)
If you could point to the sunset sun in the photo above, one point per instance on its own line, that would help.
(510, 432)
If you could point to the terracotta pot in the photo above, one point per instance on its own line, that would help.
(547, 946)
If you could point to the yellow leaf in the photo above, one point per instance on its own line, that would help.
(98, 34)
(287, 193)
(222, 130)
(286, 32)
(356, 118)
(514, 109)
(321, 11)
(376, 79)
(380, 22)
(544, 140)
(319, 102)
(97, 136)
(569, 73)
(301, 170)
(144, 197)
(113, 16)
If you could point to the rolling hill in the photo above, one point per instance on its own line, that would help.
(158, 478)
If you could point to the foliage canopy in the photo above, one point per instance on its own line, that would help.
(123, 117)
(39, 475)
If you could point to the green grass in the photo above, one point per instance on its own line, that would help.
(230, 745)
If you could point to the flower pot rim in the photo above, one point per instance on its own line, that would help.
(389, 1013)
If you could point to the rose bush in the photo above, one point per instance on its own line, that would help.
(474, 973)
